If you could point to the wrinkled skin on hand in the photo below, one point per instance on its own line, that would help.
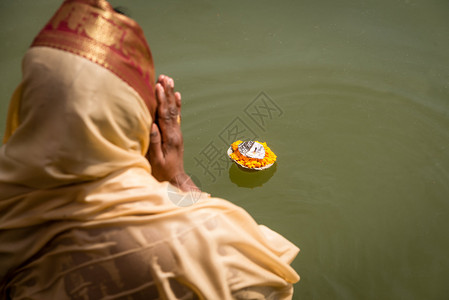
(166, 151)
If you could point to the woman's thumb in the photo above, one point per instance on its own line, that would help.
(155, 150)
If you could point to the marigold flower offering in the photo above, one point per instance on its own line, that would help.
(253, 155)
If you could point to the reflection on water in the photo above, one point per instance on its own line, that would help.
(361, 178)
(250, 178)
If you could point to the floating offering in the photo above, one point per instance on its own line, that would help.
(252, 155)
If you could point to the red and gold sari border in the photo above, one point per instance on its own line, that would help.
(92, 29)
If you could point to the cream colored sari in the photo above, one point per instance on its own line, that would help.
(81, 217)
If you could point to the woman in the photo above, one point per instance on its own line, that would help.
(85, 175)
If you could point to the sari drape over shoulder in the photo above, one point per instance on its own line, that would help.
(81, 216)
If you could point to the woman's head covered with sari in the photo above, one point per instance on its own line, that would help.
(74, 121)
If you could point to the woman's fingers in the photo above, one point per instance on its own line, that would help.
(178, 100)
(173, 99)
(169, 102)
(168, 113)
(169, 88)
(155, 150)
(163, 116)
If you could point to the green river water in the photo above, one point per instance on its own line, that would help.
(353, 97)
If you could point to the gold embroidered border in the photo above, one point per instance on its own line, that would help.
(93, 30)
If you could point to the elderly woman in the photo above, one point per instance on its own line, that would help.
(91, 149)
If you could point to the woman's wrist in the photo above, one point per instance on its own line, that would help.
(184, 182)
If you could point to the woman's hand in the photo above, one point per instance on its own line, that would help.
(166, 151)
